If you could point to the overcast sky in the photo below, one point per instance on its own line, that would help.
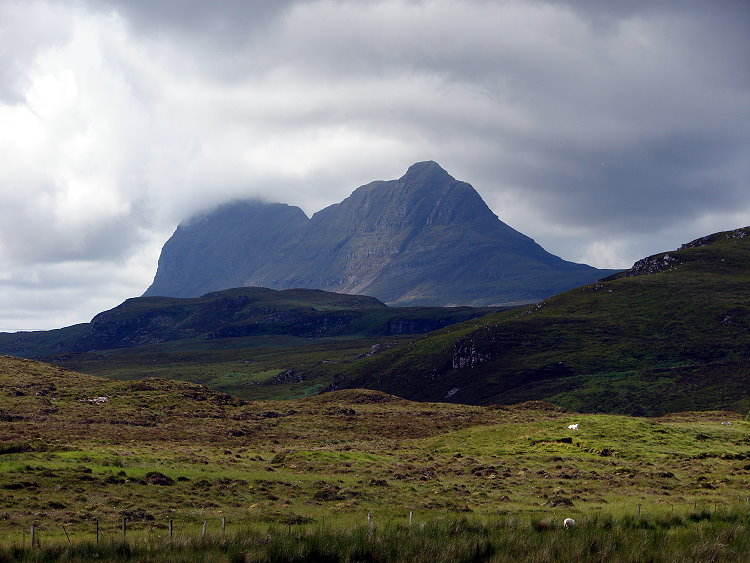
(606, 131)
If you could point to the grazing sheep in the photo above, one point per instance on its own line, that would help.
(569, 523)
(573, 427)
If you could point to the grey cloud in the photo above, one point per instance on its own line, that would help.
(35, 27)
(35, 242)
(47, 296)
(641, 187)
(225, 20)
(593, 127)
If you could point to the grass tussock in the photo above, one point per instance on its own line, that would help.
(699, 536)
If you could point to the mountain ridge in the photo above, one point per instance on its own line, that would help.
(670, 334)
(424, 239)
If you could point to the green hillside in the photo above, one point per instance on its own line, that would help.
(255, 343)
(671, 334)
(234, 313)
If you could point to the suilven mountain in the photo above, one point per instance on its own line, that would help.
(424, 239)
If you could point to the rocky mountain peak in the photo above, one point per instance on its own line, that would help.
(427, 172)
(424, 239)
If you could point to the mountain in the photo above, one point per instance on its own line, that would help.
(670, 334)
(424, 239)
(234, 313)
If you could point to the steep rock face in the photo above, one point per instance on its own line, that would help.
(424, 239)
(223, 248)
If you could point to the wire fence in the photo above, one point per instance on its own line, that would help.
(128, 529)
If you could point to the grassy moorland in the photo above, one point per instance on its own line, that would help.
(253, 342)
(252, 368)
(720, 536)
(296, 480)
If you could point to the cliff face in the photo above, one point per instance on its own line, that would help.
(222, 249)
(424, 239)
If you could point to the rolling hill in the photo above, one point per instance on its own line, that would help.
(670, 334)
(235, 313)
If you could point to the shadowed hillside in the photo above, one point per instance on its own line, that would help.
(672, 333)
(241, 312)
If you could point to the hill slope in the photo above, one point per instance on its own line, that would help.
(424, 239)
(672, 333)
(240, 312)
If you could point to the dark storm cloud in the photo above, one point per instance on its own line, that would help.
(641, 187)
(224, 20)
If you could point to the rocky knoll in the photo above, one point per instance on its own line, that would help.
(424, 239)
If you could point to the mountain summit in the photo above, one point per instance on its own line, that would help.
(424, 239)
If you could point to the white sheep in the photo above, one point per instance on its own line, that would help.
(573, 426)
(569, 523)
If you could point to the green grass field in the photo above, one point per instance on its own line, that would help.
(699, 536)
(312, 469)
(253, 368)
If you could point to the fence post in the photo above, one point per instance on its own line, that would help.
(171, 530)
(639, 510)
(223, 524)
(97, 531)
(33, 535)
(124, 528)
(204, 529)
(411, 515)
